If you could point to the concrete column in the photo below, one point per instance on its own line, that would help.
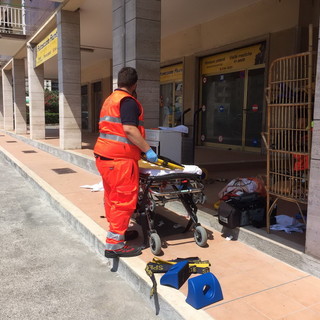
(19, 96)
(7, 100)
(68, 24)
(136, 43)
(36, 97)
(1, 105)
(313, 221)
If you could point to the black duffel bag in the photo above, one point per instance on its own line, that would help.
(237, 211)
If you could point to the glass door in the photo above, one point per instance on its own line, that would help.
(222, 96)
(254, 108)
(233, 109)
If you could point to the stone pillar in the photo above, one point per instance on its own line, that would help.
(313, 221)
(7, 100)
(19, 96)
(68, 24)
(36, 97)
(136, 43)
(1, 105)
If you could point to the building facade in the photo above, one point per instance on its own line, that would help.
(204, 66)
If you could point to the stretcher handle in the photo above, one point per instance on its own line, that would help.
(170, 161)
(165, 162)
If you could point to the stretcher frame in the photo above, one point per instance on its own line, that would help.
(157, 191)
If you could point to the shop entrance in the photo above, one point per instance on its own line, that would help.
(233, 99)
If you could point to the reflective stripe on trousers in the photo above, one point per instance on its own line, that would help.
(119, 238)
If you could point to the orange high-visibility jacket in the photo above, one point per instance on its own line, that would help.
(112, 141)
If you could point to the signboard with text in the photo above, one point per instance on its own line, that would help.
(47, 48)
(171, 73)
(239, 59)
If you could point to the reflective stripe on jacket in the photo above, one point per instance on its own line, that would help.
(112, 141)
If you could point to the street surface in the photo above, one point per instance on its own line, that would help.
(47, 271)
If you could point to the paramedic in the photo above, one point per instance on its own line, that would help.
(117, 151)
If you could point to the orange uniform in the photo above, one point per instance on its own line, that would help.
(117, 161)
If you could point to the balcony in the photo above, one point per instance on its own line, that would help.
(12, 29)
(12, 20)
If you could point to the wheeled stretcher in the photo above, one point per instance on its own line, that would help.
(160, 185)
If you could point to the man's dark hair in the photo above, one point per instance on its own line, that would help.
(127, 77)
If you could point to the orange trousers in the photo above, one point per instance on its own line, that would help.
(121, 185)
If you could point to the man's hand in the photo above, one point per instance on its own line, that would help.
(151, 156)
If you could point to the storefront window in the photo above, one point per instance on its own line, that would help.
(178, 107)
(171, 96)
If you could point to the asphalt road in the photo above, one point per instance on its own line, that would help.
(47, 271)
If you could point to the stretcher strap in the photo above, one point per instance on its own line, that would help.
(162, 266)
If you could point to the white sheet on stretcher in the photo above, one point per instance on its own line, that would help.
(155, 172)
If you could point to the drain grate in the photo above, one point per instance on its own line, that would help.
(11, 141)
(63, 170)
(29, 151)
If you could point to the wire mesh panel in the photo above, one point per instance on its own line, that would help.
(290, 109)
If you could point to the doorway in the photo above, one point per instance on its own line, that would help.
(232, 98)
(233, 113)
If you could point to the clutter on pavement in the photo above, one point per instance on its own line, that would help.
(202, 290)
(288, 224)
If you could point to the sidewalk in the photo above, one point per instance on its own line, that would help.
(254, 284)
(44, 263)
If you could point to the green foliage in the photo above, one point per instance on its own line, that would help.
(52, 117)
(51, 101)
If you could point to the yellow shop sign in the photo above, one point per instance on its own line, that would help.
(47, 48)
(171, 73)
(234, 60)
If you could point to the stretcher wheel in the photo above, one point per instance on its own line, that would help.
(155, 243)
(200, 236)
